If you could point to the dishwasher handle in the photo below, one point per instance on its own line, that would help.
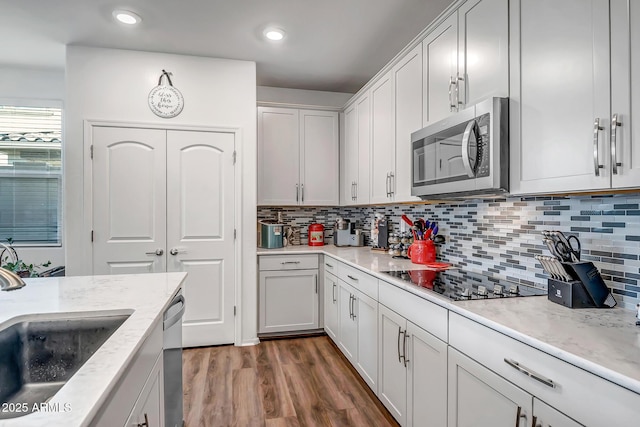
(167, 323)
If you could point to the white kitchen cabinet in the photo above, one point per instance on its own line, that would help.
(466, 58)
(297, 157)
(560, 96)
(149, 408)
(412, 371)
(546, 416)
(480, 398)
(331, 313)
(407, 77)
(625, 93)
(288, 301)
(355, 179)
(383, 147)
(358, 336)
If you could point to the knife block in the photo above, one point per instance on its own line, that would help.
(588, 290)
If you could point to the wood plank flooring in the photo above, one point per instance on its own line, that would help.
(280, 383)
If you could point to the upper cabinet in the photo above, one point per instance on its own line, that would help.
(466, 58)
(383, 147)
(574, 85)
(297, 157)
(355, 178)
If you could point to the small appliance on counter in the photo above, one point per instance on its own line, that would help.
(270, 234)
(345, 233)
(316, 235)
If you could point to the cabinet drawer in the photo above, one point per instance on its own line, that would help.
(330, 265)
(359, 279)
(288, 262)
(585, 397)
(427, 315)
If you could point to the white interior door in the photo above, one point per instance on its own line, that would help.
(129, 200)
(200, 227)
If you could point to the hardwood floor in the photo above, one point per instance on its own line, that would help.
(279, 383)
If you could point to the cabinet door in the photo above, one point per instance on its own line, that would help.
(366, 313)
(480, 398)
(331, 306)
(392, 386)
(288, 301)
(149, 407)
(556, 97)
(364, 134)
(625, 96)
(440, 49)
(427, 378)
(382, 140)
(319, 166)
(347, 324)
(408, 119)
(483, 33)
(278, 156)
(350, 174)
(546, 416)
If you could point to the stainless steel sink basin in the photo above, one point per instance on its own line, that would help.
(38, 357)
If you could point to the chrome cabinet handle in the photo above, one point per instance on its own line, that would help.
(353, 309)
(328, 265)
(387, 184)
(302, 191)
(297, 194)
(353, 191)
(356, 199)
(350, 306)
(452, 106)
(614, 142)
(334, 293)
(399, 334)
(289, 262)
(534, 422)
(518, 413)
(157, 252)
(175, 251)
(528, 372)
(596, 163)
(459, 79)
(146, 421)
(352, 278)
(392, 180)
(404, 347)
(316, 277)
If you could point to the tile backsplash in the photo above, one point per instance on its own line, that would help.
(502, 236)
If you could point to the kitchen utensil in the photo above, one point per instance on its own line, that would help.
(568, 247)
(435, 231)
(551, 245)
(438, 239)
(407, 220)
(545, 265)
(560, 269)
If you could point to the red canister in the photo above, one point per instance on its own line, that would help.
(316, 235)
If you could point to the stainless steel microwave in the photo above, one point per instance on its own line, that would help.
(466, 154)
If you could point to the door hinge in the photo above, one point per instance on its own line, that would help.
(234, 310)
(234, 157)
(91, 150)
(92, 235)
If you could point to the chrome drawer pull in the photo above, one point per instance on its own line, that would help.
(352, 278)
(328, 265)
(290, 262)
(528, 372)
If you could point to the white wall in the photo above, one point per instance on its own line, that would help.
(29, 87)
(278, 95)
(109, 84)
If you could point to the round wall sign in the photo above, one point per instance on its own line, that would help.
(165, 100)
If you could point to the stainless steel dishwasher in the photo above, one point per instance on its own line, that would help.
(172, 354)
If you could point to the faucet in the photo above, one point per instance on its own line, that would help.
(10, 281)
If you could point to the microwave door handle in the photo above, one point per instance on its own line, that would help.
(465, 148)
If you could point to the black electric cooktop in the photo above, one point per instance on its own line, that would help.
(462, 285)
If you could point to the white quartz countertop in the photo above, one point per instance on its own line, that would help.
(605, 342)
(144, 296)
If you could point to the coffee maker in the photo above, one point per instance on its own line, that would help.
(345, 233)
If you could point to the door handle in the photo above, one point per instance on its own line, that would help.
(404, 347)
(334, 293)
(302, 191)
(614, 141)
(596, 162)
(175, 251)
(458, 102)
(157, 252)
(392, 179)
(452, 106)
(472, 128)
(528, 372)
(297, 194)
(146, 421)
(387, 184)
(399, 335)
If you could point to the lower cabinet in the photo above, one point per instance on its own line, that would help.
(412, 371)
(148, 410)
(331, 305)
(480, 398)
(358, 334)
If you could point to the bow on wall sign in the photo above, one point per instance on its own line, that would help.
(165, 100)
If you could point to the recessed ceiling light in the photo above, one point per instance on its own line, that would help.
(126, 17)
(274, 34)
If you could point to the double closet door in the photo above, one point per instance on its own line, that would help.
(163, 201)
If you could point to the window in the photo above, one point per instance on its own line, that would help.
(31, 175)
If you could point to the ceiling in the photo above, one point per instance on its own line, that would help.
(330, 45)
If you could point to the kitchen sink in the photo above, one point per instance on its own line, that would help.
(37, 357)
